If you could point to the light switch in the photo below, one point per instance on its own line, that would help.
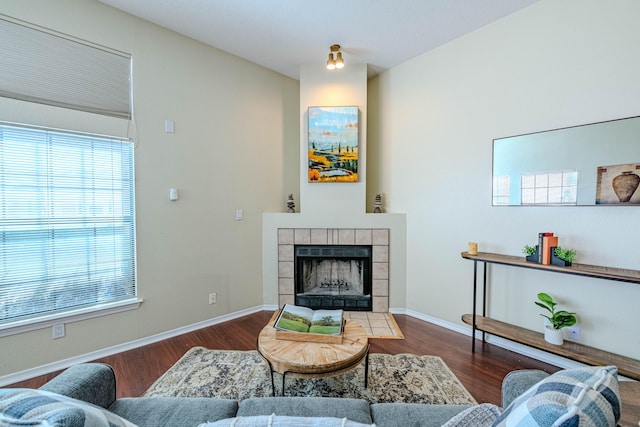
(173, 194)
(239, 214)
(169, 126)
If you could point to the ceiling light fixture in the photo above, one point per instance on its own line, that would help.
(338, 62)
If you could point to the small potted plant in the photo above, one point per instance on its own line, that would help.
(558, 319)
(531, 253)
(562, 257)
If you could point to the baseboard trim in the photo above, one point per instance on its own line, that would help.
(87, 357)
(109, 351)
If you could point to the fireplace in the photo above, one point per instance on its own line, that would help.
(376, 239)
(333, 276)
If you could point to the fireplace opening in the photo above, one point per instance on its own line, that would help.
(333, 277)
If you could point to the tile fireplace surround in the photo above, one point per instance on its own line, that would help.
(378, 238)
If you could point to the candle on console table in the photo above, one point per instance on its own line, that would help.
(473, 248)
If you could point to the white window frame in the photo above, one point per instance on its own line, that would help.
(112, 304)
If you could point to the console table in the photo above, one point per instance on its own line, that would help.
(592, 356)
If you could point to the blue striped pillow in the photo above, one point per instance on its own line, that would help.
(582, 397)
(30, 407)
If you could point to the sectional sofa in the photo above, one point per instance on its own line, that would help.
(85, 395)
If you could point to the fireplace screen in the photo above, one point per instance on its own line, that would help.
(333, 277)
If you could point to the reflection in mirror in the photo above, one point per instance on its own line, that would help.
(594, 164)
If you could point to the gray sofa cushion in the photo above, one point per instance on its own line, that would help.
(173, 411)
(413, 414)
(91, 382)
(354, 409)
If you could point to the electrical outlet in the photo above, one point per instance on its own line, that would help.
(573, 333)
(57, 331)
(213, 298)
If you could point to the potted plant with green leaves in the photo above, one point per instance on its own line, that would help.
(531, 253)
(558, 319)
(562, 257)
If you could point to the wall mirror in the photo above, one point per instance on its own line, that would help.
(593, 164)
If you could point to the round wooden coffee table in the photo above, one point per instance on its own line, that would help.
(314, 359)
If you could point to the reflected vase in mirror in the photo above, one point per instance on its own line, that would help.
(625, 184)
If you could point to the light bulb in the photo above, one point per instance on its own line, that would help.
(339, 61)
(331, 64)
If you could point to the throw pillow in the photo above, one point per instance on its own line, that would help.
(477, 416)
(30, 407)
(285, 421)
(585, 397)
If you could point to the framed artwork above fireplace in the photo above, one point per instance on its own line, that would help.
(333, 144)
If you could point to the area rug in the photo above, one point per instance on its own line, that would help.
(240, 375)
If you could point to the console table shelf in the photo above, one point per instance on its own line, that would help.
(571, 350)
(626, 366)
(595, 271)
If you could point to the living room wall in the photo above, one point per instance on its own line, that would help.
(430, 121)
(236, 126)
(431, 125)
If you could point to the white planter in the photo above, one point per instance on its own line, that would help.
(553, 336)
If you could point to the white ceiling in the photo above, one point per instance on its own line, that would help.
(283, 34)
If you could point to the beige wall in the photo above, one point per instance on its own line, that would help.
(431, 125)
(235, 129)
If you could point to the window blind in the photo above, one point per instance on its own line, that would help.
(67, 237)
(39, 66)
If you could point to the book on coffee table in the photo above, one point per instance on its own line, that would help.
(299, 323)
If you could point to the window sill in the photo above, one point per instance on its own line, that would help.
(19, 327)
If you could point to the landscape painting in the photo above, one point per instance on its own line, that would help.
(333, 144)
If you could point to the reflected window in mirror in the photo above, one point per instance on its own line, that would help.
(501, 193)
(550, 188)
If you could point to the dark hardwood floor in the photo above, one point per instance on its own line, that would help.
(481, 373)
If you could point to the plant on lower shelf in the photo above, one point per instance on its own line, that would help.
(558, 319)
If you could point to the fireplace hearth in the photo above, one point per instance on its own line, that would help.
(333, 276)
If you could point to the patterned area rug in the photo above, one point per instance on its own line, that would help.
(243, 374)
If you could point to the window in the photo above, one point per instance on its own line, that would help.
(550, 188)
(67, 237)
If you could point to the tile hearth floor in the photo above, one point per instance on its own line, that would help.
(377, 325)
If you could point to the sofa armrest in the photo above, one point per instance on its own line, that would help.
(91, 382)
(517, 382)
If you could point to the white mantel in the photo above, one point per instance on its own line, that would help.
(395, 264)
